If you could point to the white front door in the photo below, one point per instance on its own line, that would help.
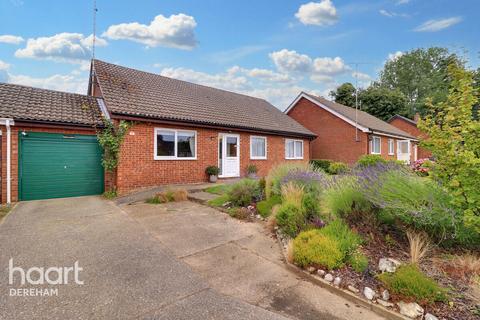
(403, 150)
(229, 155)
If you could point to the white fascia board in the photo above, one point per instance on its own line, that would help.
(392, 136)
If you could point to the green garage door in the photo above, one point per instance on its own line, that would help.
(52, 165)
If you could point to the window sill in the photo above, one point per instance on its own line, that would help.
(257, 158)
(377, 153)
(173, 158)
(294, 158)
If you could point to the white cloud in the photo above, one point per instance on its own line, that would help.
(394, 56)
(437, 25)
(291, 61)
(321, 13)
(329, 66)
(3, 71)
(263, 75)
(386, 13)
(68, 83)
(236, 53)
(400, 2)
(62, 47)
(392, 14)
(176, 31)
(7, 38)
(4, 65)
(361, 76)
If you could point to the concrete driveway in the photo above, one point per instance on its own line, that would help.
(240, 260)
(127, 272)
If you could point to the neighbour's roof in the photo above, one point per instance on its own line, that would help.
(362, 118)
(130, 92)
(24, 103)
(397, 116)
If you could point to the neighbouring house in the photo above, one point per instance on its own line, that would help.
(180, 128)
(344, 133)
(48, 144)
(410, 126)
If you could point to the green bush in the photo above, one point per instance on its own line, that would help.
(370, 160)
(311, 205)
(264, 207)
(244, 192)
(408, 281)
(290, 219)
(358, 261)
(338, 168)
(273, 181)
(344, 198)
(320, 164)
(311, 248)
(348, 241)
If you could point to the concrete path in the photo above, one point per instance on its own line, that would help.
(126, 271)
(240, 260)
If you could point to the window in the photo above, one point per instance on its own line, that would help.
(391, 147)
(232, 147)
(175, 144)
(258, 147)
(293, 149)
(375, 145)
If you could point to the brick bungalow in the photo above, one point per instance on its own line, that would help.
(344, 134)
(48, 144)
(410, 126)
(180, 128)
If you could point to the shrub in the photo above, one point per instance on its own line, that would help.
(168, 196)
(358, 261)
(422, 167)
(261, 185)
(311, 206)
(155, 200)
(292, 194)
(290, 219)
(348, 241)
(240, 213)
(338, 168)
(408, 281)
(180, 195)
(311, 248)
(320, 164)
(251, 169)
(219, 201)
(311, 181)
(212, 170)
(111, 194)
(370, 159)
(419, 246)
(276, 174)
(264, 207)
(244, 192)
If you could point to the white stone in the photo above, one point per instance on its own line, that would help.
(430, 316)
(411, 310)
(388, 264)
(311, 269)
(337, 281)
(321, 272)
(386, 304)
(353, 289)
(328, 277)
(368, 293)
(385, 295)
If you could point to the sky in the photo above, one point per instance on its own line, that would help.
(268, 49)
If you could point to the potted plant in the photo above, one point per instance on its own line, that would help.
(252, 171)
(212, 172)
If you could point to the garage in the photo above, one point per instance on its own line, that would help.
(54, 165)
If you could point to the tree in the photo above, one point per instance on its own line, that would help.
(383, 103)
(344, 94)
(454, 139)
(420, 74)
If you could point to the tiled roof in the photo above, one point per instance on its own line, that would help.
(363, 119)
(397, 116)
(130, 92)
(34, 104)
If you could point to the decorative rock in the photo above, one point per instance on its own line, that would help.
(311, 269)
(385, 295)
(227, 204)
(386, 304)
(258, 216)
(369, 293)
(388, 264)
(337, 281)
(328, 277)
(321, 272)
(275, 228)
(430, 316)
(411, 310)
(353, 289)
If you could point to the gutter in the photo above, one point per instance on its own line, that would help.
(7, 122)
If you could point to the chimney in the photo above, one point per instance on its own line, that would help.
(416, 117)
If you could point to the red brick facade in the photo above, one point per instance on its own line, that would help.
(414, 131)
(137, 167)
(336, 139)
(14, 154)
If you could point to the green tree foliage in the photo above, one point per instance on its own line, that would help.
(344, 94)
(383, 103)
(454, 139)
(420, 74)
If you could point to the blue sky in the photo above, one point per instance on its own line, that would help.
(269, 49)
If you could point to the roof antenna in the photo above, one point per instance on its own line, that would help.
(356, 102)
(94, 28)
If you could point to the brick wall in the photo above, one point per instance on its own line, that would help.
(137, 167)
(14, 154)
(414, 131)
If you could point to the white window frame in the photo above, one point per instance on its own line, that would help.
(391, 147)
(175, 132)
(379, 145)
(252, 157)
(294, 149)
